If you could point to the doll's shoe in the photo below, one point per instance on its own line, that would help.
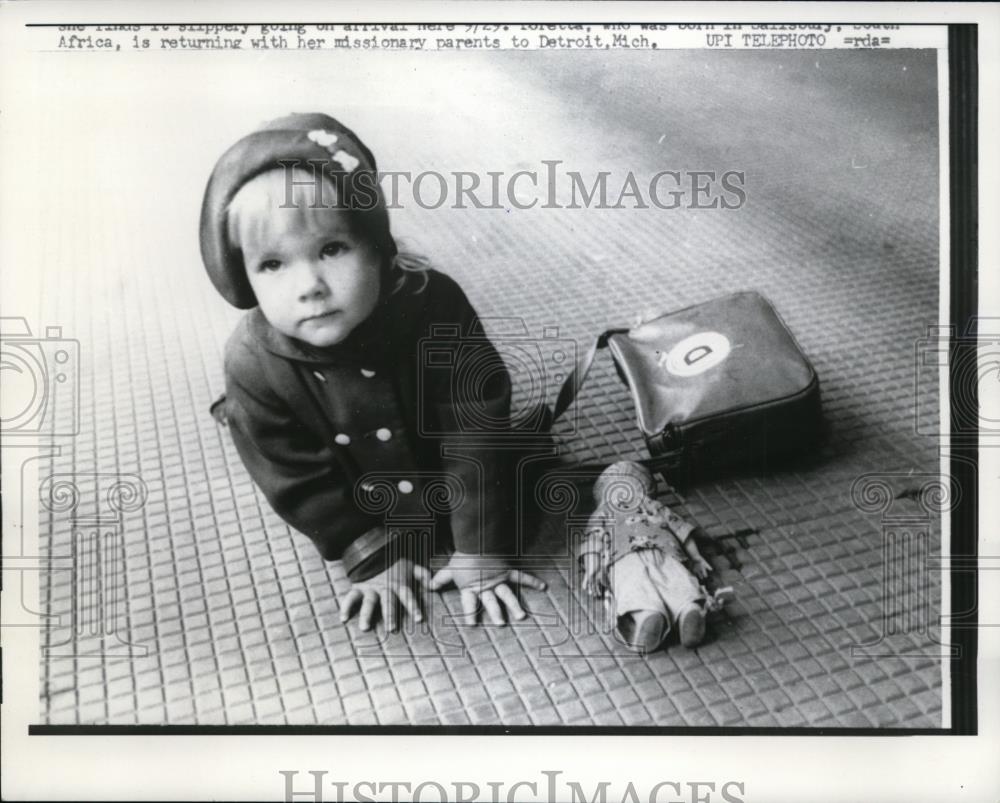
(716, 601)
(691, 625)
(643, 631)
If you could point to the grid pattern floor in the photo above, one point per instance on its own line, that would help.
(215, 613)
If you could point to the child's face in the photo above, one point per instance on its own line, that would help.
(313, 282)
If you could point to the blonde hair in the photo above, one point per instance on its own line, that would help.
(309, 202)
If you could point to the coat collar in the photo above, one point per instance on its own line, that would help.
(373, 342)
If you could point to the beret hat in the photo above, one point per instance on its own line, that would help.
(316, 140)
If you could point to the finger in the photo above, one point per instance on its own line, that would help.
(441, 579)
(368, 609)
(470, 604)
(389, 604)
(348, 603)
(525, 579)
(423, 576)
(489, 600)
(508, 598)
(410, 602)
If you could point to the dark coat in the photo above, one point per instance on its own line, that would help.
(327, 433)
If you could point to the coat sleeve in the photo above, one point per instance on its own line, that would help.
(300, 477)
(471, 401)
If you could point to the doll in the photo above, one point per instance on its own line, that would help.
(643, 560)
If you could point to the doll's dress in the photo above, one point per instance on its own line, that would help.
(651, 589)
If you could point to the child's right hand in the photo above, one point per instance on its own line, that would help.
(386, 591)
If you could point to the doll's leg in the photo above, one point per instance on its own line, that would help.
(641, 619)
(685, 599)
(691, 625)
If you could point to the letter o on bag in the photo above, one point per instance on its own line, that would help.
(697, 353)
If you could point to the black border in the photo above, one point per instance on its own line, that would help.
(963, 168)
(963, 308)
(462, 730)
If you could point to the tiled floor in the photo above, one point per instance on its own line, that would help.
(232, 619)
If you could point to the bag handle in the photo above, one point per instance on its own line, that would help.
(571, 387)
(572, 384)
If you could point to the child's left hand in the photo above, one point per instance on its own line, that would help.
(484, 579)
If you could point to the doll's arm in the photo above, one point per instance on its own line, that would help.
(595, 578)
(701, 567)
(595, 540)
(684, 532)
(592, 552)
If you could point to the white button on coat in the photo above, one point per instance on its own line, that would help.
(383, 434)
(342, 439)
(405, 486)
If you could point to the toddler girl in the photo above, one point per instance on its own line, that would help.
(326, 397)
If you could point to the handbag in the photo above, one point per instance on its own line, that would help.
(716, 386)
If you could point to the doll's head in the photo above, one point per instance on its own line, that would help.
(624, 485)
(294, 220)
